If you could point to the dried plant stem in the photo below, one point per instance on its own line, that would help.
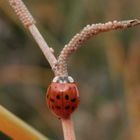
(28, 21)
(43, 46)
(68, 129)
(22, 12)
(88, 32)
(16, 128)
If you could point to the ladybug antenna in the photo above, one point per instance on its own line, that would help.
(88, 32)
(63, 79)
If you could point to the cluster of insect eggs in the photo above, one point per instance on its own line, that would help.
(62, 96)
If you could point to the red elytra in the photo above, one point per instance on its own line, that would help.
(62, 98)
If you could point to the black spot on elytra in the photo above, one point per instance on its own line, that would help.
(47, 95)
(52, 107)
(80, 40)
(52, 100)
(57, 96)
(58, 107)
(67, 97)
(72, 108)
(73, 100)
(67, 107)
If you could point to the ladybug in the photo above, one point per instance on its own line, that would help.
(62, 96)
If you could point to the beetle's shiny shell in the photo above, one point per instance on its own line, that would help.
(62, 98)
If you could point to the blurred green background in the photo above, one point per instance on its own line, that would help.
(97, 67)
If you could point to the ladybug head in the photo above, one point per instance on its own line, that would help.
(63, 79)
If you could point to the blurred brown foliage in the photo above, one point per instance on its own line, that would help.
(106, 68)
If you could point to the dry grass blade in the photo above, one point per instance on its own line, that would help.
(16, 128)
